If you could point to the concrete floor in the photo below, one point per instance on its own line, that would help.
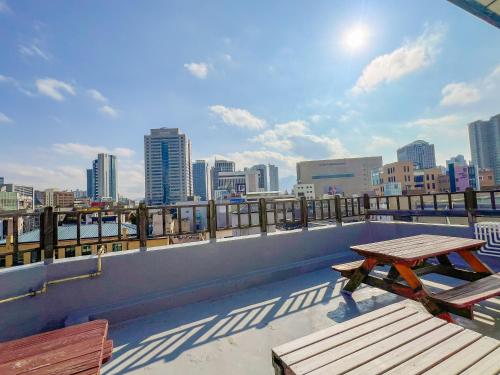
(235, 334)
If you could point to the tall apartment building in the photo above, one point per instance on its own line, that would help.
(102, 183)
(168, 168)
(421, 153)
(274, 179)
(338, 176)
(484, 137)
(263, 175)
(220, 166)
(201, 180)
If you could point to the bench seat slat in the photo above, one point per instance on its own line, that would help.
(350, 266)
(468, 294)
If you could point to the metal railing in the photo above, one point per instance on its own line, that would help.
(51, 234)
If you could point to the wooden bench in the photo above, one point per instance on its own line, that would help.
(461, 299)
(347, 269)
(79, 349)
(396, 339)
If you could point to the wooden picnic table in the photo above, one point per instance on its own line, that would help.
(396, 339)
(408, 259)
(78, 349)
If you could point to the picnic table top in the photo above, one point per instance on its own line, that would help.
(396, 339)
(71, 350)
(417, 247)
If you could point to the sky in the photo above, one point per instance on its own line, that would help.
(252, 81)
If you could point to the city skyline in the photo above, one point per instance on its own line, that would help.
(240, 90)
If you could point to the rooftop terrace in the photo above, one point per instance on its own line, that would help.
(220, 305)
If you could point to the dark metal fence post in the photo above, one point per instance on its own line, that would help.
(15, 243)
(304, 212)
(47, 234)
(142, 227)
(366, 206)
(338, 211)
(470, 205)
(263, 215)
(212, 219)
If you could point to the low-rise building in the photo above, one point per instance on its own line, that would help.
(9, 201)
(64, 199)
(486, 178)
(304, 190)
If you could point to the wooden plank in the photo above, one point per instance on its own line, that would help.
(489, 365)
(470, 293)
(32, 349)
(359, 275)
(107, 351)
(369, 352)
(466, 357)
(336, 329)
(37, 362)
(350, 266)
(12, 345)
(383, 325)
(437, 354)
(396, 357)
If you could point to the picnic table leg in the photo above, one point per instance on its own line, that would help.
(359, 275)
(421, 293)
(475, 262)
(444, 260)
(393, 273)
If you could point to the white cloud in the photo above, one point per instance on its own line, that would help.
(348, 116)
(4, 119)
(318, 118)
(4, 8)
(54, 89)
(463, 93)
(379, 143)
(295, 138)
(437, 121)
(238, 117)
(459, 94)
(410, 57)
(33, 50)
(199, 70)
(97, 95)
(131, 178)
(15, 84)
(88, 152)
(108, 111)
(227, 57)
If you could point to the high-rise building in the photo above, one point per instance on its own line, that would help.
(91, 182)
(262, 170)
(102, 179)
(457, 160)
(484, 137)
(338, 176)
(237, 183)
(26, 194)
(167, 164)
(220, 166)
(201, 180)
(1, 180)
(421, 153)
(274, 178)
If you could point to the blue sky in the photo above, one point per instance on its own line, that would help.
(258, 81)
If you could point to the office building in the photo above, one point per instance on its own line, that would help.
(263, 175)
(220, 166)
(2, 180)
(338, 176)
(463, 177)
(102, 183)
(201, 180)
(168, 168)
(421, 153)
(274, 179)
(484, 137)
(91, 182)
(237, 183)
(457, 160)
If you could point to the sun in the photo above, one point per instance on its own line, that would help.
(355, 38)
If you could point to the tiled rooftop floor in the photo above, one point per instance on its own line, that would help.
(235, 334)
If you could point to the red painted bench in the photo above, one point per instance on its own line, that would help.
(79, 349)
